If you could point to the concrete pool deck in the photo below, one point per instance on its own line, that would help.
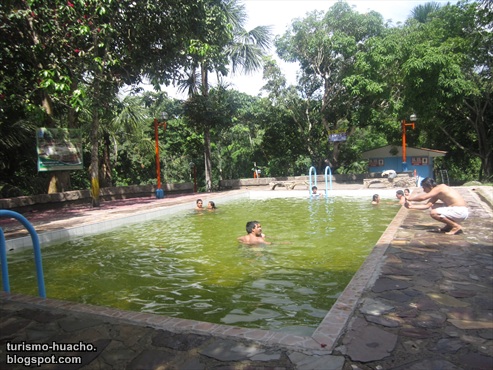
(422, 300)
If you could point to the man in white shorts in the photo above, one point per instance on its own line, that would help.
(454, 212)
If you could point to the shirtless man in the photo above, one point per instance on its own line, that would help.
(399, 194)
(254, 234)
(454, 212)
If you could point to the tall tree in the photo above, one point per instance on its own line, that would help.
(242, 49)
(441, 70)
(325, 46)
(295, 116)
(448, 81)
(421, 13)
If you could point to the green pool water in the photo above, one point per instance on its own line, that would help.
(191, 265)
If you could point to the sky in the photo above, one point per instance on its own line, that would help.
(279, 14)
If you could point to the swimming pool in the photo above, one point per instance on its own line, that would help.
(189, 265)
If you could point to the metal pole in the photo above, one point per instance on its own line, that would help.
(37, 252)
(310, 183)
(404, 159)
(158, 165)
(159, 191)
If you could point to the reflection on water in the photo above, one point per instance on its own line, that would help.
(191, 265)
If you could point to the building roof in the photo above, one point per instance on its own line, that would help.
(396, 151)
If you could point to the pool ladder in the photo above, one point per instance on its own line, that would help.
(314, 181)
(37, 253)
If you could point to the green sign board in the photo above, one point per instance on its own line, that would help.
(59, 149)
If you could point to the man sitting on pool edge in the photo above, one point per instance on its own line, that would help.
(254, 234)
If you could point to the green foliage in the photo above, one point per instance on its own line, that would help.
(461, 169)
(326, 46)
(439, 69)
(422, 13)
(134, 142)
(239, 47)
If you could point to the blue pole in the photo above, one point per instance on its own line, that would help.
(36, 247)
(159, 193)
(3, 258)
(310, 179)
(326, 190)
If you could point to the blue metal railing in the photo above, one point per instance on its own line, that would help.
(326, 188)
(37, 253)
(310, 181)
(314, 183)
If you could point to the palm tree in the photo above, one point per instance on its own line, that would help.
(422, 12)
(244, 51)
(130, 116)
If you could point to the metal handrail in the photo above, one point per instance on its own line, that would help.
(312, 169)
(326, 188)
(328, 181)
(37, 253)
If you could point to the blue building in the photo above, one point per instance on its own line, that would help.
(390, 158)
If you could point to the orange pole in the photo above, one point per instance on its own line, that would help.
(404, 124)
(404, 141)
(158, 164)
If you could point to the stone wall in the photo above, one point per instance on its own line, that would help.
(397, 182)
(265, 181)
(84, 196)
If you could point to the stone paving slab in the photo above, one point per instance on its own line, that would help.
(428, 306)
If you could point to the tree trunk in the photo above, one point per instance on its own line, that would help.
(487, 166)
(207, 134)
(207, 159)
(59, 182)
(106, 165)
(94, 167)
